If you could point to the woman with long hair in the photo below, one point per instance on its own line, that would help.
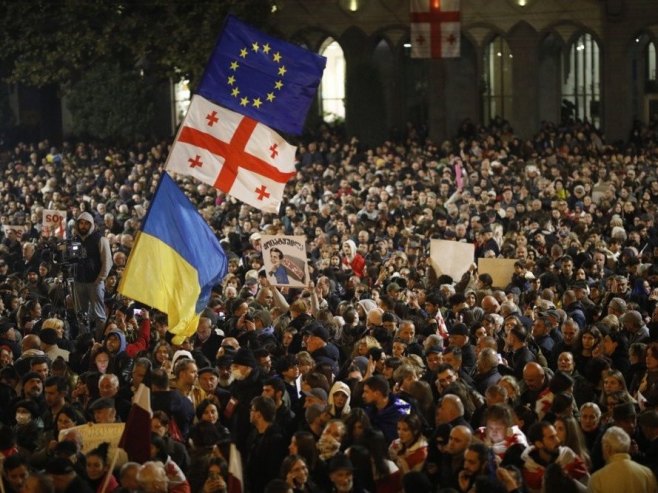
(570, 434)
(161, 355)
(647, 392)
(295, 472)
(613, 382)
(409, 450)
(98, 469)
(587, 347)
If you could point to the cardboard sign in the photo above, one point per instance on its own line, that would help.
(54, 224)
(451, 258)
(500, 270)
(17, 230)
(284, 259)
(94, 434)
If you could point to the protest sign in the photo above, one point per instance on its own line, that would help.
(93, 434)
(451, 258)
(18, 230)
(284, 260)
(54, 224)
(500, 270)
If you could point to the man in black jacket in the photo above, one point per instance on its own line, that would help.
(247, 384)
(266, 446)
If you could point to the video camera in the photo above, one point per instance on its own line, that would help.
(65, 252)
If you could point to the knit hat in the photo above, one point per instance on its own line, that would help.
(244, 357)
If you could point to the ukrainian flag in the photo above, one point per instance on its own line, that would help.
(175, 261)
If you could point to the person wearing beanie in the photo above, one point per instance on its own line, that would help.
(247, 384)
(89, 285)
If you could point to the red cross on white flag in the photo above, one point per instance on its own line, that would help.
(233, 153)
(435, 29)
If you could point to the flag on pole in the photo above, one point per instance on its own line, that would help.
(235, 483)
(175, 262)
(233, 153)
(435, 28)
(136, 437)
(265, 78)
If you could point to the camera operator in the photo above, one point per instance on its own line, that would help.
(91, 272)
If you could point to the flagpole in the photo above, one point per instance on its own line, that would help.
(109, 471)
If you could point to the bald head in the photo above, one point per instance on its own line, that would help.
(460, 439)
(450, 408)
(490, 304)
(30, 341)
(533, 376)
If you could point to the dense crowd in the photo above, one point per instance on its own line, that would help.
(381, 375)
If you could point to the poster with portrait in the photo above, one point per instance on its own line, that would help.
(54, 224)
(452, 258)
(284, 260)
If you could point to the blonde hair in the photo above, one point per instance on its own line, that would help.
(52, 323)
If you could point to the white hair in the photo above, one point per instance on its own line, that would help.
(617, 440)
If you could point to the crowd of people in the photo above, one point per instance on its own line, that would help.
(382, 375)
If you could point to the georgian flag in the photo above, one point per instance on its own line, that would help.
(435, 28)
(234, 154)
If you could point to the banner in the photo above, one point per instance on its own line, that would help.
(451, 258)
(94, 434)
(265, 78)
(18, 230)
(234, 154)
(284, 259)
(500, 270)
(54, 224)
(435, 29)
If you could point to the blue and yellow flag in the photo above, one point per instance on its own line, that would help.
(270, 80)
(176, 260)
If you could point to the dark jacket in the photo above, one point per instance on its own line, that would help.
(485, 380)
(175, 405)
(265, 452)
(386, 419)
(520, 358)
(236, 413)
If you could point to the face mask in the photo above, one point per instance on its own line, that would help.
(23, 418)
(237, 375)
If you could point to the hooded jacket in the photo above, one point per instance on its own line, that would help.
(98, 261)
(339, 387)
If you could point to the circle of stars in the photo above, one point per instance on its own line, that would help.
(256, 102)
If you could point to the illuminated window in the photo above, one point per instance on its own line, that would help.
(332, 87)
(498, 93)
(581, 93)
(651, 61)
(182, 97)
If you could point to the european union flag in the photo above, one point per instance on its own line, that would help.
(267, 79)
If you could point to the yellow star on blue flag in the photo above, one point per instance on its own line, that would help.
(260, 72)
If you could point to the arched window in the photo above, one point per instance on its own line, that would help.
(581, 92)
(332, 87)
(498, 94)
(651, 61)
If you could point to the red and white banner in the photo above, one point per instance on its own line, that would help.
(136, 437)
(235, 483)
(435, 29)
(54, 224)
(234, 154)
